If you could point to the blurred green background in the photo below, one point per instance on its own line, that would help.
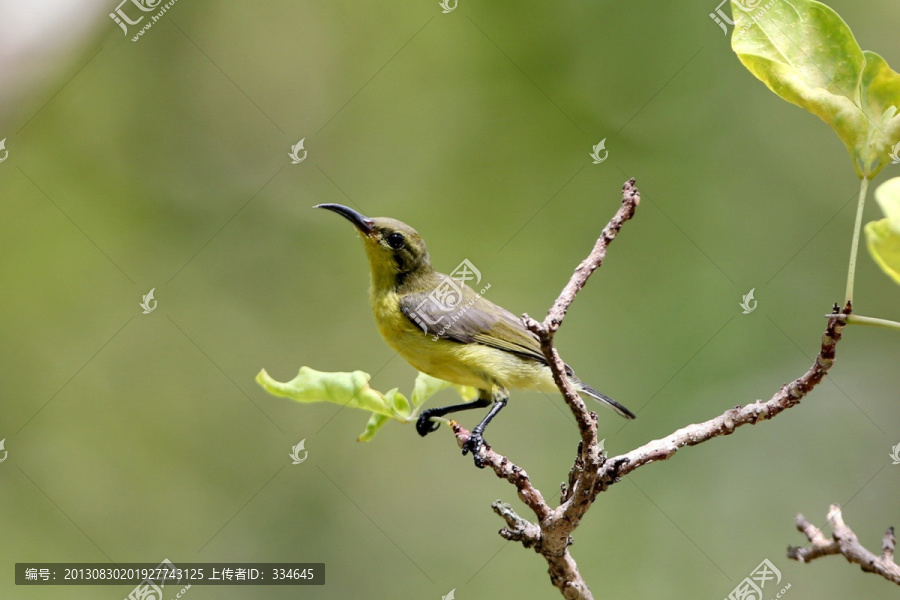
(164, 164)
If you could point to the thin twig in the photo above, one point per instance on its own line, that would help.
(506, 469)
(789, 395)
(587, 422)
(843, 541)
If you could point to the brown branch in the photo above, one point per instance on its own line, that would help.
(631, 198)
(550, 537)
(506, 469)
(587, 423)
(843, 541)
(544, 536)
(592, 472)
(789, 395)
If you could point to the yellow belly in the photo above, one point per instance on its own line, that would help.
(474, 364)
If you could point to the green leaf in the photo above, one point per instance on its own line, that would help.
(883, 237)
(352, 390)
(346, 389)
(375, 423)
(427, 386)
(888, 197)
(804, 52)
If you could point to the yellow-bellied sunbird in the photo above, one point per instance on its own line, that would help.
(474, 343)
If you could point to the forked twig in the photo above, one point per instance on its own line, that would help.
(844, 542)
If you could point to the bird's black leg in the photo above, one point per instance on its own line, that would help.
(424, 424)
(476, 439)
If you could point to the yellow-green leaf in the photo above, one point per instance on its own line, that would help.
(804, 52)
(347, 389)
(352, 390)
(883, 237)
(426, 386)
(888, 197)
(376, 422)
(884, 246)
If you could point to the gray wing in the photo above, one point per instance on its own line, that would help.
(467, 318)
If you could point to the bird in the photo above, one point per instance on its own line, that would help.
(466, 340)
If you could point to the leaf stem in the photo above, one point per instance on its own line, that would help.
(854, 247)
(872, 321)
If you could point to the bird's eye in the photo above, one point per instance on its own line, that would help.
(395, 240)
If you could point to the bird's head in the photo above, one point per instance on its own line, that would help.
(396, 251)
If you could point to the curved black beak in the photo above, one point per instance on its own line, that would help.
(362, 222)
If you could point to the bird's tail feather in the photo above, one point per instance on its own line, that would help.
(606, 400)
